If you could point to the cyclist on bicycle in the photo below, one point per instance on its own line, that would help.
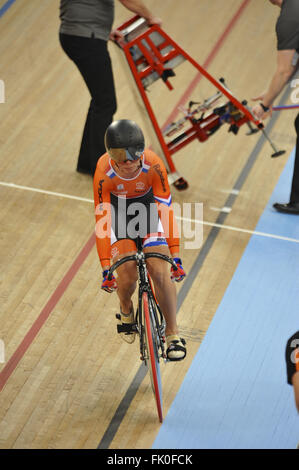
(130, 179)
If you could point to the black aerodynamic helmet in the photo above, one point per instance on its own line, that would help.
(124, 140)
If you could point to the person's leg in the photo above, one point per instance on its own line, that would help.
(93, 61)
(97, 72)
(165, 292)
(126, 285)
(165, 289)
(292, 207)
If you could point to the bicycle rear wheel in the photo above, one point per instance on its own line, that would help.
(153, 353)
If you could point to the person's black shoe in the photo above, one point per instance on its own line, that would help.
(289, 208)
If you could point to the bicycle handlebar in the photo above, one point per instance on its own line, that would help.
(134, 258)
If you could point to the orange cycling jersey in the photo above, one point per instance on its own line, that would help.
(152, 176)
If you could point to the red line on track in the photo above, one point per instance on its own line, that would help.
(63, 285)
(46, 311)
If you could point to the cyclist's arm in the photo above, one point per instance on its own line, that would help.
(102, 204)
(163, 199)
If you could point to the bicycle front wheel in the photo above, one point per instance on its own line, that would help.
(152, 353)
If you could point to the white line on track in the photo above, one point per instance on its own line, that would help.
(43, 191)
(243, 230)
(225, 209)
(211, 224)
(230, 191)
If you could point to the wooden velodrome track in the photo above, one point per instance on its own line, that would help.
(66, 371)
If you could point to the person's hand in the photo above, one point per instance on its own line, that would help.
(179, 274)
(116, 35)
(259, 112)
(108, 286)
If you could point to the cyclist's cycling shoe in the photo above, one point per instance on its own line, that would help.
(176, 350)
(127, 327)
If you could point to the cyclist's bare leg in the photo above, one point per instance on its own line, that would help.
(165, 289)
(126, 283)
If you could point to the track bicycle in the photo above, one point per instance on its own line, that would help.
(149, 321)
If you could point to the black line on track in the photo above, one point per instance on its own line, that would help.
(204, 251)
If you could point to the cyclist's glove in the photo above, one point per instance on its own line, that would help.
(179, 274)
(108, 286)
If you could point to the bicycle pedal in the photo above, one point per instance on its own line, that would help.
(127, 328)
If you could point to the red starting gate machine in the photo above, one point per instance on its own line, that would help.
(151, 55)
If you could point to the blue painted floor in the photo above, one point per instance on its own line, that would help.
(235, 394)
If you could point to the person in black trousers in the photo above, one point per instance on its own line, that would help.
(287, 32)
(86, 26)
(294, 199)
